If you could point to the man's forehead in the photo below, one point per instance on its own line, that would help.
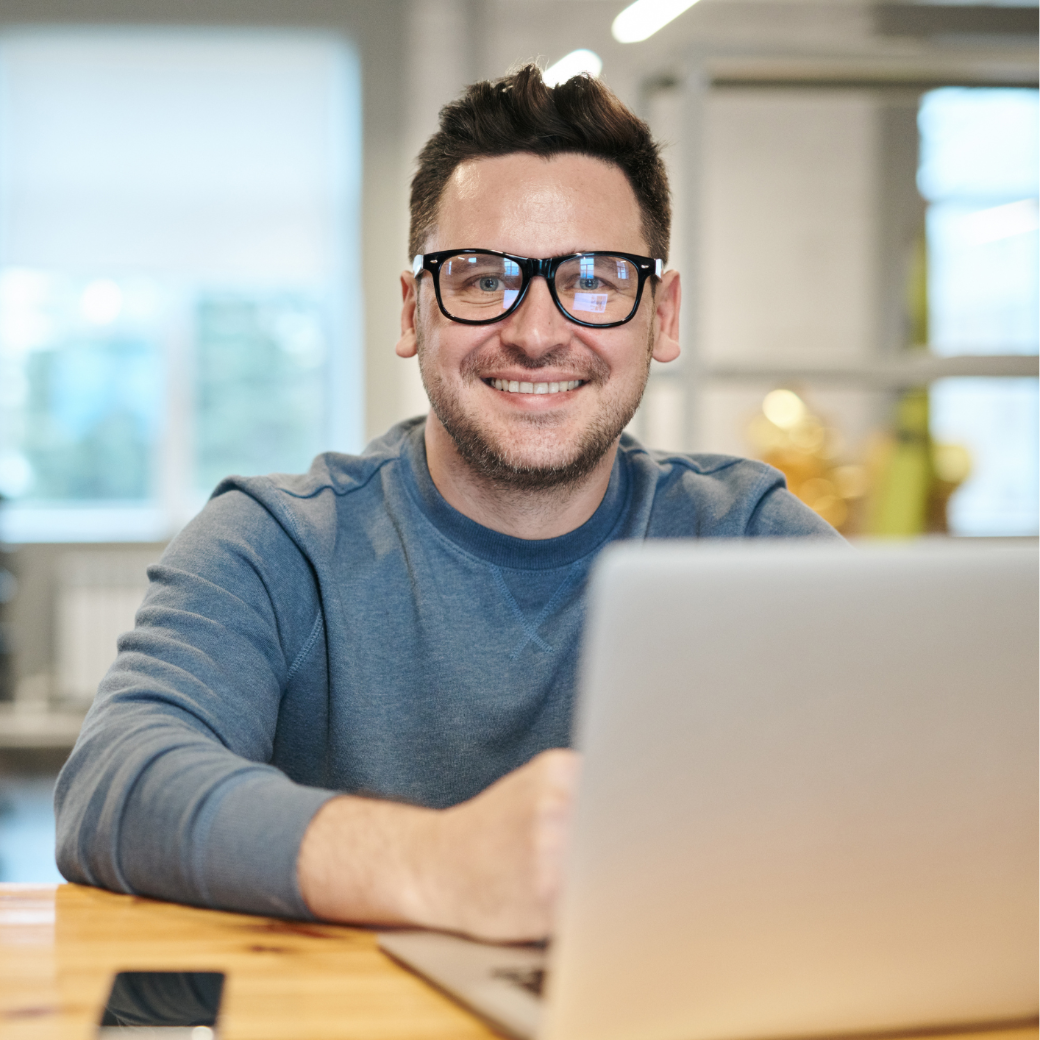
(476, 174)
(525, 194)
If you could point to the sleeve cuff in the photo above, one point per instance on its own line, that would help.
(248, 845)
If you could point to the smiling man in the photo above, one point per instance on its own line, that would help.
(349, 693)
(534, 369)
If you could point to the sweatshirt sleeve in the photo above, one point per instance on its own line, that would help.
(169, 791)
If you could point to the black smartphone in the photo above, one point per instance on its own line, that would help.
(175, 1005)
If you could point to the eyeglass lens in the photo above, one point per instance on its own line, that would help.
(594, 289)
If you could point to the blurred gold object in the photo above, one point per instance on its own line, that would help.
(799, 444)
(952, 463)
(902, 489)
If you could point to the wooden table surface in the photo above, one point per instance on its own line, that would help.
(61, 944)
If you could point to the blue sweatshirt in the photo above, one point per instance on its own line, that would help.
(347, 630)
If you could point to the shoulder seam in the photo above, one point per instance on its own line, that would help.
(329, 485)
(687, 462)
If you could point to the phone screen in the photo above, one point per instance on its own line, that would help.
(173, 1003)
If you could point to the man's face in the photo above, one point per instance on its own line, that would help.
(529, 206)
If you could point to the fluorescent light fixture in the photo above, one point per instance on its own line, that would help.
(573, 64)
(643, 18)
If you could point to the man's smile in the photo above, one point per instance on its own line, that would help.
(516, 386)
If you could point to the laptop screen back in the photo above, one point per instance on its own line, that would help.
(809, 799)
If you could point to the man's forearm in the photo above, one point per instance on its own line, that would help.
(361, 861)
(490, 867)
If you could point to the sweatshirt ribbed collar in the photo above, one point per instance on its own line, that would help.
(504, 550)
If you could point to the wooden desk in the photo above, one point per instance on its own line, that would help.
(61, 944)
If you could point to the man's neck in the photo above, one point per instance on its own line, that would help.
(519, 512)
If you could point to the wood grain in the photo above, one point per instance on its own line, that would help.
(61, 944)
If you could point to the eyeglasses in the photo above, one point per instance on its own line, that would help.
(480, 286)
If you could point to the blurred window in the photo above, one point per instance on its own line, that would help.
(979, 175)
(979, 171)
(179, 294)
(997, 419)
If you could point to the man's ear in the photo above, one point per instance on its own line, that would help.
(667, 300)
(407, 346)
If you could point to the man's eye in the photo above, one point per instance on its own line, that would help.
(588, 283)
(490, 284)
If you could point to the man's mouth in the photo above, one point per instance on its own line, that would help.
(513, 386)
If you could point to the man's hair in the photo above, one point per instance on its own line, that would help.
(521, 114)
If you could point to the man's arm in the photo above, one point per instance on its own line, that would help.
(490, 867)
(168, 792)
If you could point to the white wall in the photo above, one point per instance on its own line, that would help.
(789, 223)
(788, 250)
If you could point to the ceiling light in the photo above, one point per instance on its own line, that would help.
(573, 64)
(643, 18)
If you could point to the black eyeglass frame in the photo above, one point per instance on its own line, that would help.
(646, 267)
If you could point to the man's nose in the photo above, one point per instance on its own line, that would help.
(537, 324)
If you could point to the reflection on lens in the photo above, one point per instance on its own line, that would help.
(590, 303)
(597, 289)
(479, 286)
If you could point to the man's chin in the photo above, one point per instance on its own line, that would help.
(531, 474)
(526, 462)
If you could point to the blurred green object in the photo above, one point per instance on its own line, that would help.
(917, 294)
(900, 501)
(912, 478)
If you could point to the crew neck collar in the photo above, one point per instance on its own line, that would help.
(504, 550)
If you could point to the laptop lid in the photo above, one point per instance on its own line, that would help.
(809, 798)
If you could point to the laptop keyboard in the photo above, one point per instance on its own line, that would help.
(531, 979)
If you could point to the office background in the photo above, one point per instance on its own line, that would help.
(203, 215)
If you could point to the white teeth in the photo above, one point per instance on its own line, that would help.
(513, 386)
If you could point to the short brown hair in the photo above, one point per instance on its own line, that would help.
(521, 114)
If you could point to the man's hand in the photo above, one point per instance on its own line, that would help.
(499, 857)
(490, 867)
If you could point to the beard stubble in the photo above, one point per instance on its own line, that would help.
(500, 464)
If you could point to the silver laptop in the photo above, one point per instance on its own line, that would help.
(808, 803)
